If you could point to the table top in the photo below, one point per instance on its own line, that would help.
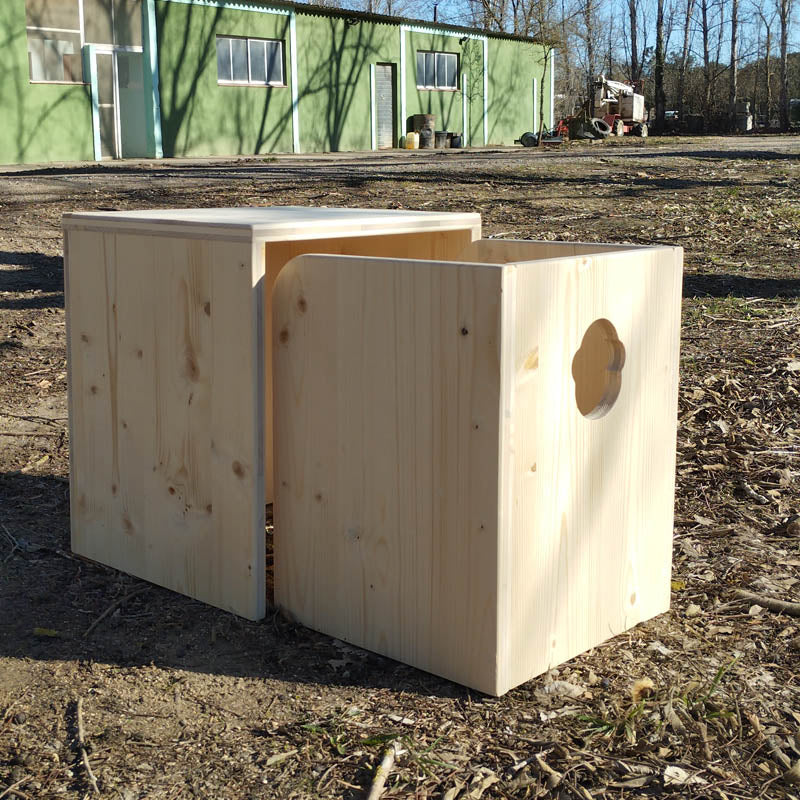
(271, 223)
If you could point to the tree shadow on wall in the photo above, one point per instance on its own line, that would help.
(333, 83)
(503, 105)
(444, 104)
(330, 83)
(179, 80)
(15, 88)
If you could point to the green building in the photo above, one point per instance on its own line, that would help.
(95, 79)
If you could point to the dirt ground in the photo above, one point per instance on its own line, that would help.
(180, 700)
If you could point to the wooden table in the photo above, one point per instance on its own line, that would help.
(170, 378)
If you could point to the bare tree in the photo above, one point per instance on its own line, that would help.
(711, 29)
(784, 16)
(706, 31)
(565, 38)
(659, 68)
(734, 69)
(767, 23)
(684, 62)
(670, 13)
(636, 68)
(491, 15)
(588, 13)
(611, 43)
(571, 77)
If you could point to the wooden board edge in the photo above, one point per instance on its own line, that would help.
(70, 389)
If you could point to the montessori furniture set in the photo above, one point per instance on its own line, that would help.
(473, 440)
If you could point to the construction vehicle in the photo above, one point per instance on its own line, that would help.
(621, 106)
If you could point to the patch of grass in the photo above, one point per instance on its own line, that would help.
(697, 700)
(610, 726)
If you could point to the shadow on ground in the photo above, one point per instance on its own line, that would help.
(22, 272)
(51, 598)
(175, 168)
(725, 285)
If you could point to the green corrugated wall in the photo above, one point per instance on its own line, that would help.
(444, 104)
(40, 122)
(48, 122)
(334, 79)
(200, 117)
(514, 65)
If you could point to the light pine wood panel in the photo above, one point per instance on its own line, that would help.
(444, 245)
(588, 502)
(90, 380)
(166, 409)
(446, 502)
(508, 251)
(387, 438)
(168, 376)
(271, 223)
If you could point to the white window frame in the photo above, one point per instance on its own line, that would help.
(47, 30)
(436, 85)
(250, 81)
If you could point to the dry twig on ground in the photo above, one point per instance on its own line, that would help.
(779, 606)
(384, 768)
(113, 607)
(82, 746)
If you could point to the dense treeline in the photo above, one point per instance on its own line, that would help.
(699, 61)
(758, 82)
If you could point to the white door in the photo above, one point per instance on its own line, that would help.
(384, 106)
(121, 108)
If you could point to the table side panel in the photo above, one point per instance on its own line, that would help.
(508, 251)
(386, 420)
(89, 385)
(590, 501)
(167, 466)
(430, 245)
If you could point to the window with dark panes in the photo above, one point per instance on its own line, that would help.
(437, 70)
(252, 61)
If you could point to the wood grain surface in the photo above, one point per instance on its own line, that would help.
(167, 464)
(441, 498)
(169, 349)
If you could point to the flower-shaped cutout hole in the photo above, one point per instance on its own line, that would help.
(597, 369)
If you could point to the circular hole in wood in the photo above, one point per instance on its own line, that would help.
(597, 369)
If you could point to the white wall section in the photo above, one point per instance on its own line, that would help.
(372, 138)
(464, 111)
(295, 88)
(485, 90)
